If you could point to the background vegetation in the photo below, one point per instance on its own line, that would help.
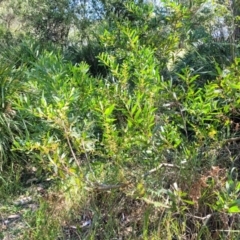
(119, 119)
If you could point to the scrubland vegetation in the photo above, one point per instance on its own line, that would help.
(119, 120)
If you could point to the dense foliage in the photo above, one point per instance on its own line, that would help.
(129, 111)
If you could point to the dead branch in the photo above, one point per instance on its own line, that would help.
(106, 187)
(232, 139)
(159, 167)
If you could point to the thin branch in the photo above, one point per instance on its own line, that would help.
(232, 139)
(105, 187)
(70, 146)
(159, 167)
(204, 219)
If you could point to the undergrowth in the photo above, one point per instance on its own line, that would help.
(127, 155)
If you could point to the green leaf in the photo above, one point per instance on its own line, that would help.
(235, 202)
(137, 114)
(133, 110)
(189, 202)
(234, 209)
(156, 204)
(109, 110)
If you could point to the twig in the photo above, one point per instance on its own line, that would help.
(105, 187)
(204, 219)
(230, 230)
(232, 139)
(70, 146)
(160, 166)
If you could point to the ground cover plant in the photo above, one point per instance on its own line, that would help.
(130, 131)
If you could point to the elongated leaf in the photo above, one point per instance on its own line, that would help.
(155, 204)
